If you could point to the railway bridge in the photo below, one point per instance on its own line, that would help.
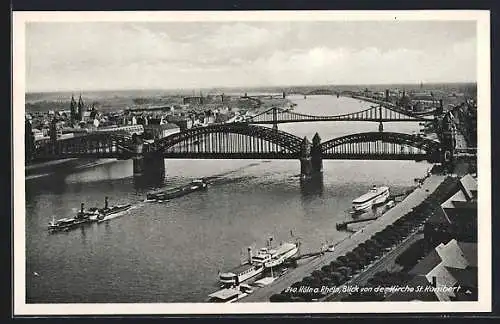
(244, 141)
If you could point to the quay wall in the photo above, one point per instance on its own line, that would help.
(341, 248)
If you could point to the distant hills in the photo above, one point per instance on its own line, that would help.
(64, 96)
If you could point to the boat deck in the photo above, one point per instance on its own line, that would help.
(348, 244)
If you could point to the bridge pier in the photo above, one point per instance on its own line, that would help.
(316, 155)
(145, 162)
(306, 169)
(148, 164)
(311, 161)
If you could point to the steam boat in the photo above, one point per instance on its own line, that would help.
(376, 196)
(265, 258)
(161, 195)
(85, 216)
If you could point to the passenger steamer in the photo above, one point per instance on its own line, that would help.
(85, 216)
(376, 196)
(265, 258)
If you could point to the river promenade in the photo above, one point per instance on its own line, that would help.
(341, 248)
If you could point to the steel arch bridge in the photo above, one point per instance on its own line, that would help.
(375, 114)
(230, 141)
(94, 145)
(380, 146)
(243, 141)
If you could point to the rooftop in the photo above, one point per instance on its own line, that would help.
(225, 293)
(469, 186)
(458, 196)
(465, 277)
(429, 262)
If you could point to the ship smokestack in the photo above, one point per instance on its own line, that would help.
(250, 255)
(81, 207)
(106, 202)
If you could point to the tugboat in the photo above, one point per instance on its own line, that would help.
(84, 216)
(161, 195)
(65, 224)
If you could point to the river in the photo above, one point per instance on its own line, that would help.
(172, 252)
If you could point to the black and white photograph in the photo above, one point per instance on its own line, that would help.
(251, 162)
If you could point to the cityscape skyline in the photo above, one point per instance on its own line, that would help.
(65, 56)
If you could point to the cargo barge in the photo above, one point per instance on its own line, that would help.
(167, 194)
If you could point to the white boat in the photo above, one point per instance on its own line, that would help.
(227, 295)
(376, 195)
(240, 274)
(255, 265)
(272, 257)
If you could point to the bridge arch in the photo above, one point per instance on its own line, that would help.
(98, 144)
(380, 145)
(377, 114)
(232, 140)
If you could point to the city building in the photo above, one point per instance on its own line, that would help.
(447, 273)
(197, 100)
(158, 131)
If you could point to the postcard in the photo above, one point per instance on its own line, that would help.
(251, 162)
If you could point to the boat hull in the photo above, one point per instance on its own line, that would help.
(241, 278)
(179, 192)
(280, 259)
(105, 215)
(377, 200)
(58, 227)
(87, 217)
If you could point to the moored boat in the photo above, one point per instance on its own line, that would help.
(265, 258)
(376, 196)
(227, 295)
(241, 273)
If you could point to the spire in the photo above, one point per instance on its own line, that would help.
(72, 107)
(80, 107)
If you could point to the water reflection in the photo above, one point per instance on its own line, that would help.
(83, 236)
(149, 180)
(53, 184)
(312, 187)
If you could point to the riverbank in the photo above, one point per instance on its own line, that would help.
(348, 244)
(43, 169)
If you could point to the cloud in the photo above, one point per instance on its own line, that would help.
(167, 55)
(239, 36)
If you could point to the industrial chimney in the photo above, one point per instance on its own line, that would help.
(387, 95)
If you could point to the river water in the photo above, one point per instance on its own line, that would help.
(172, 252)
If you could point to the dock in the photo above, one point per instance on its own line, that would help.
(343, 225)
(294, 275)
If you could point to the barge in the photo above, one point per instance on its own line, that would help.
(167, 194)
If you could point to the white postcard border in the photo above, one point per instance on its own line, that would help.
(484, 167)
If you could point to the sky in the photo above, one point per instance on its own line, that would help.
(76, 56)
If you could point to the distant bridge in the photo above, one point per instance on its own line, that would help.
(376, 114)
